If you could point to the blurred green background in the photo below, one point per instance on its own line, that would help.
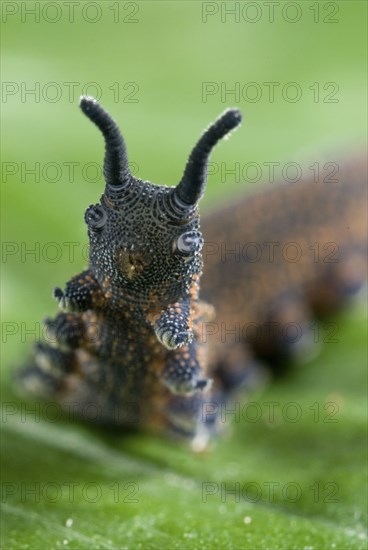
(151, 63)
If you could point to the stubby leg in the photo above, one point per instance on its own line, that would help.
(44, 376)
(66, 331)
(339, 282)
(81, 293)
(182, 373)
(173, 328)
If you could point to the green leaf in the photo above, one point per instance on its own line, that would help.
(53, 470)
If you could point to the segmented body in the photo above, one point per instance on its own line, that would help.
(278, 260)
(135, 344)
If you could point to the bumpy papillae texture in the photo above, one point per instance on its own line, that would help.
(135, 346)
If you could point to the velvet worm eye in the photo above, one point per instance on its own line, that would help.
(95, 217)
(188, 243)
